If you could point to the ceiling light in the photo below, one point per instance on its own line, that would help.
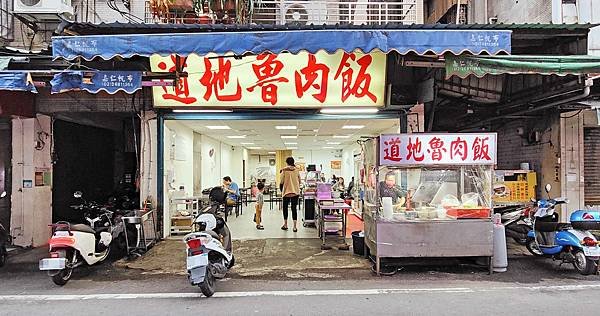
(271, 152)
(328, 147)
(218, 127)
(290, 143)
(236, 136)
(349, 110)
(353, 126)
(254, 147)
(202, 111)
(286, 127)
(247, 143)
(289, 136)
(333, 143)
(341, 136)
(291, 148)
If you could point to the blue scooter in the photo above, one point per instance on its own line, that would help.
(567, 242)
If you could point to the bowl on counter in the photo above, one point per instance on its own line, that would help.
(427, 212)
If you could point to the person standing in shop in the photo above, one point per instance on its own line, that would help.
(260, 201)
(290, 178)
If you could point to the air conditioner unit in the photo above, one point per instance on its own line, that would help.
(44, 10)
(302, 12)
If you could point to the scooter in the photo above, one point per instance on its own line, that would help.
(208, 247)
(5, 239)
(567, 242)
(517, 222)
(72, 245)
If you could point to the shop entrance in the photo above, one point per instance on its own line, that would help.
(199, 153)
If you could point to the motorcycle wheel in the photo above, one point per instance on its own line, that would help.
(63, 276)
(208, 286)
(533, 247)
(582, 264)
(3, 256)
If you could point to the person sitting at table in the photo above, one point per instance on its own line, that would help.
(233, 193)
(389, 188)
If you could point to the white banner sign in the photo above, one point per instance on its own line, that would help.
(438, 149)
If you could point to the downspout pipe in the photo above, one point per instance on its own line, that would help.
(583, 95)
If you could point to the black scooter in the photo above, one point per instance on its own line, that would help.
(5, 240)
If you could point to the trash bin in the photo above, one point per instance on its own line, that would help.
(358, 243)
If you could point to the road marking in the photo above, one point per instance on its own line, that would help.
(132, 296)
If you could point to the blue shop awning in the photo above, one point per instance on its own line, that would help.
(16, 81)
(108, 81)
(475, 42)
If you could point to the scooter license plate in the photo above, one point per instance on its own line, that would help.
(197, 261)
(591, 251)
(53, 264)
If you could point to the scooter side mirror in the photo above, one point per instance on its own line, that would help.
(548, 188)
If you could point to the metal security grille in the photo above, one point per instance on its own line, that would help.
(592, 167)
(318, 12)
(6, 20)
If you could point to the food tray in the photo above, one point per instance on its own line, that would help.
(463, 213)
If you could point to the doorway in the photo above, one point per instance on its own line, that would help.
(246, 150)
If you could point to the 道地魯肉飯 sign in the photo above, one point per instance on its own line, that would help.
(269, 80)
(438, 149)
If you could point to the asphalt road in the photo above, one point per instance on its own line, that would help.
(531, 287)
(377, 297)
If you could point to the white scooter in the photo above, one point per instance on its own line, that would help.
(208, 247)
(72, 245)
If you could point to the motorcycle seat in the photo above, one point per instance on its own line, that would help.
(212, 234)
(551, 226)
(80, 228)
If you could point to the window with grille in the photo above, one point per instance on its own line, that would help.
(6, 20)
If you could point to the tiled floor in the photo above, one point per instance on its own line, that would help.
(243, 227)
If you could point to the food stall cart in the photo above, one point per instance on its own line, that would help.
(331, 217)
(429, 195)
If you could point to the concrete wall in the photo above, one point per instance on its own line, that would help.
(524, 11)
(348, 161)
(543, 156)
(179, 144)
(572, 161)
(31, 205)
(148, 154)
(321, 158)
(255, 161)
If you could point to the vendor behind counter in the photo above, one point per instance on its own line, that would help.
(389, 188)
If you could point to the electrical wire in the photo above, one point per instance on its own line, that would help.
(571, 116)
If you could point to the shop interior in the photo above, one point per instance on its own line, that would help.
(199, 153)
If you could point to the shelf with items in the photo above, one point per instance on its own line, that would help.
(331, 221)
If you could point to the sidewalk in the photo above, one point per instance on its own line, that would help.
(276, 258)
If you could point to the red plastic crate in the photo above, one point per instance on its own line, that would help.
(468, 213)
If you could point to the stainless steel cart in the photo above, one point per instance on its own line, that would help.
(145, 224)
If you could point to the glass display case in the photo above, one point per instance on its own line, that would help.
(433, 194)
(429, 195)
